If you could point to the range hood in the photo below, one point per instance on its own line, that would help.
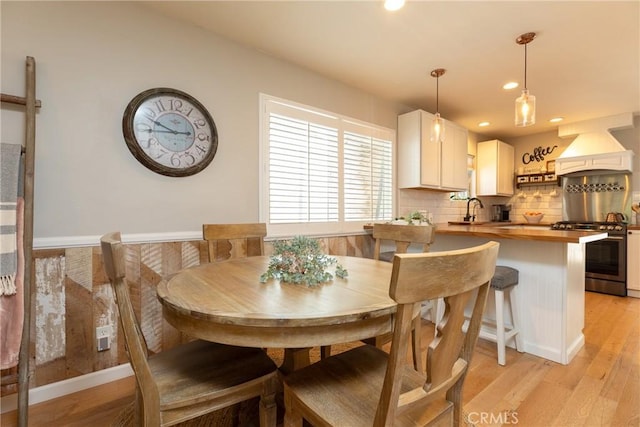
(594, 148)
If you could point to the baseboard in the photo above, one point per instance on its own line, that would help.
(72, 385)
(633, 293)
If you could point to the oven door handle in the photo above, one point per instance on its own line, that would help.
(612, 238)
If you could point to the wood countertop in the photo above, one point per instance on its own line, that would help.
(520, 232)
(516, 231)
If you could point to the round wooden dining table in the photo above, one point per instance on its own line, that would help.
(225, 302)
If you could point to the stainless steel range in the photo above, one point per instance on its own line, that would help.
(600, 200)
(606, 260)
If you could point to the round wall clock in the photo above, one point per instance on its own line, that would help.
(170, 132)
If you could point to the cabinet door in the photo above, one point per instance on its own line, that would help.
(486, 168)
(430, 153)
(505, 169)
(494, 169)
(408, 150)
(633, 266)
(454, 158)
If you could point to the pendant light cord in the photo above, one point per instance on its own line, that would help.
(525, 66)
(437, 73)
(437, 94)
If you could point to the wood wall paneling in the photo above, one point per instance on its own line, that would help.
(72, 296)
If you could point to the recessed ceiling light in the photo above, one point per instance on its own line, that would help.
(393, 4)
(510, 85)
(484, 124)
(556, 119)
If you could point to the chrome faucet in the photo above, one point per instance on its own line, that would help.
(468, 217)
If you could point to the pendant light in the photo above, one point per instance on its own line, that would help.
(525, 103)
(437, 127)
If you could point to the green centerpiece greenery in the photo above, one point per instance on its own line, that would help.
(301, 261)
(415, 217)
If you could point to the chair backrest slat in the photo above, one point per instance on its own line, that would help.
(234, 240)
(403, 236)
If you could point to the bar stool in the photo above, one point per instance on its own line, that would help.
(504, 280)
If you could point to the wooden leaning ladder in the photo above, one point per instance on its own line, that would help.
(30, 103)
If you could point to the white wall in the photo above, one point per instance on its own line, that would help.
(92, 58)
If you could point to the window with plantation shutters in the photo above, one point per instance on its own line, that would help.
(322, 173)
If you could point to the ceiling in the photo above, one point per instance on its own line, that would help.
(583, 64)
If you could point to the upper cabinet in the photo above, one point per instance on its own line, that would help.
(423, 164)
(494, 169)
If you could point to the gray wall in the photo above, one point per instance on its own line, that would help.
(92, 59)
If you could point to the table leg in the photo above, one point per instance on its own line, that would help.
(295, 358)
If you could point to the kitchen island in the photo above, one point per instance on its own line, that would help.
(550, 293)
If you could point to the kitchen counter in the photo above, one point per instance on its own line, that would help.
(551, 288)
(520, 231)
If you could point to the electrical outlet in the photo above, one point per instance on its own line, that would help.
(103, 337)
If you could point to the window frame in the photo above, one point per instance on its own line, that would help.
(269, 103)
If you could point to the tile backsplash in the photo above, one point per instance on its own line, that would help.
(537, 198)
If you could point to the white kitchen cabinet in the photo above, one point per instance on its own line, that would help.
(423, 164)
(633, 263)
(494, 168)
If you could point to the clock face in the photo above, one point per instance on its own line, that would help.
(170, 132)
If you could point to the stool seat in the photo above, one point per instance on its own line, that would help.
(387, 256)
(504, 277)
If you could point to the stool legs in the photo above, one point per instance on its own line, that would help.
(502, 335)
(516, 322)
(500, 332)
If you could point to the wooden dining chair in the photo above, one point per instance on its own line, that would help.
(192, 379)
(402, 237)
(234, 240)
(366, 386)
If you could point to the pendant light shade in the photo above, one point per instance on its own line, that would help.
(525, 109)
(525, 103)
(437, 127)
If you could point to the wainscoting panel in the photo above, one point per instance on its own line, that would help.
(73, 297)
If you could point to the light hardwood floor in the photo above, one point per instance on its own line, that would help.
(601, 386)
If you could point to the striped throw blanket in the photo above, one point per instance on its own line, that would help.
(9, 177)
